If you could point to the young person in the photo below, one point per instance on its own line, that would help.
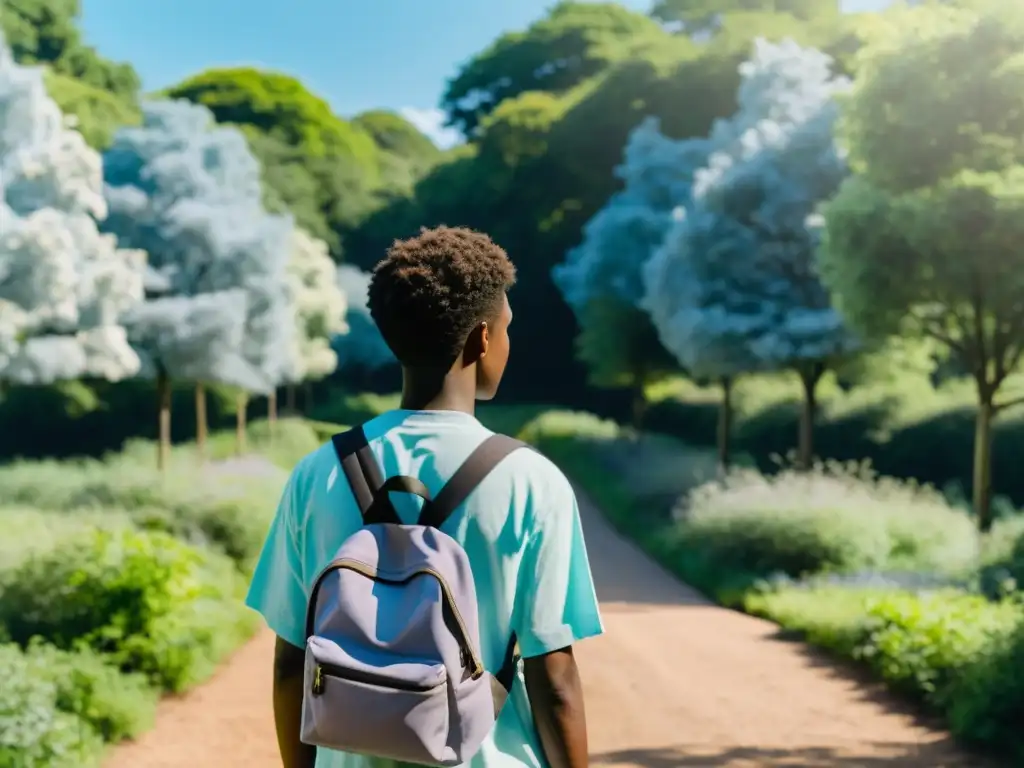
(440, 302)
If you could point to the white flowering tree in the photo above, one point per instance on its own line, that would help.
(734, 288)
(320, 309)
(64, 287)
(602, 278)
(189, 193)
(360, 349)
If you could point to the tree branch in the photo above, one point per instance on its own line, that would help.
(1007, 404)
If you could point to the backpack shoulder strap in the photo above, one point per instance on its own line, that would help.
(467, 477)
(363, 475)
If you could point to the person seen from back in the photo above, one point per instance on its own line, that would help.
(440, 302)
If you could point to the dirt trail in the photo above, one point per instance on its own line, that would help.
(675, 681)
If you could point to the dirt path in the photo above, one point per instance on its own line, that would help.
(675, 681)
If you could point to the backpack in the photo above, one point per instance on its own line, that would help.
(392, 664)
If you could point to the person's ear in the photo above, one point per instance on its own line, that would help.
(476, 345)
(485, 338)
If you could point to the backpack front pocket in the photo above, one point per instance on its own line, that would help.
(353, 708)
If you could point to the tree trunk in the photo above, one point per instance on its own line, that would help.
(725, 425)
(241, 401)
(201, 420)
(163, 395)
(982, 490)
(809, 377)
(290, 400)
(272, 414)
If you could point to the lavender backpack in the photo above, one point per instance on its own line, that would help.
(393, 664)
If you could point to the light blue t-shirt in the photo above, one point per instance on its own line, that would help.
(520, 528)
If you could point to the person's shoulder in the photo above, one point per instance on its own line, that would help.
(540, 473)
(311, 467)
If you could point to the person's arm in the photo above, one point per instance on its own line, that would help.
(556, 698)
(288, 691)
(556, 606)
(278, 592)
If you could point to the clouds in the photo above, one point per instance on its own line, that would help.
(430, 121)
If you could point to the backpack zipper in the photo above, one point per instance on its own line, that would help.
(358, 676)
(468, 655)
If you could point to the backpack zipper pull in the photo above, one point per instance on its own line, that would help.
(318, 681)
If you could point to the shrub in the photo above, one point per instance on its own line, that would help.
(34, 732)
(959, 653)
(227, 511)
(117, 706)
(152, 603)
(986, 701)
(836, 518)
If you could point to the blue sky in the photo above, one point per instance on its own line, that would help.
(395, 54)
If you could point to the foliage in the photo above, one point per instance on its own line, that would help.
(189, 194)
(320, 308)
(215, 509)
(572, 43)
(406, 154)
(705, 16)
(958, 653)
(328, 172)
(923, 241)
(733, 288)
(63, 285)
(601, 279)
(834, 519)
(36, 732)
(100, 94)
(77, 568)
(361, 347)
(151, 603)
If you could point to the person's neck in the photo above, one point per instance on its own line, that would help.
(437, 392)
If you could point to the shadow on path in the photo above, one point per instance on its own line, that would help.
(874, 754)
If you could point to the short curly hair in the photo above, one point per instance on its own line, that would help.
(431, 290)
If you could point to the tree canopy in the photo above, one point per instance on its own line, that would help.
(64, 287)
(574, 42)
(330, 173)
(101, 94)
(925, 238)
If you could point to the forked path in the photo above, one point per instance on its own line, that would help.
(675, 681)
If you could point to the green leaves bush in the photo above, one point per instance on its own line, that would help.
(150, 602)
(57, 709)
(960, 654)
(839, 519)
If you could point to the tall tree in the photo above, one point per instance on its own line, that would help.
(189, 193)
(735, 286)
(574, 42)
(64, 287)
(925, 239)
(602, 278)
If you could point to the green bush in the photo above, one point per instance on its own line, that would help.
(34, 732)
(58, 708)
(116, 705)
(960, 654)
(230, 512)
(833, 519)
(150, 602)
